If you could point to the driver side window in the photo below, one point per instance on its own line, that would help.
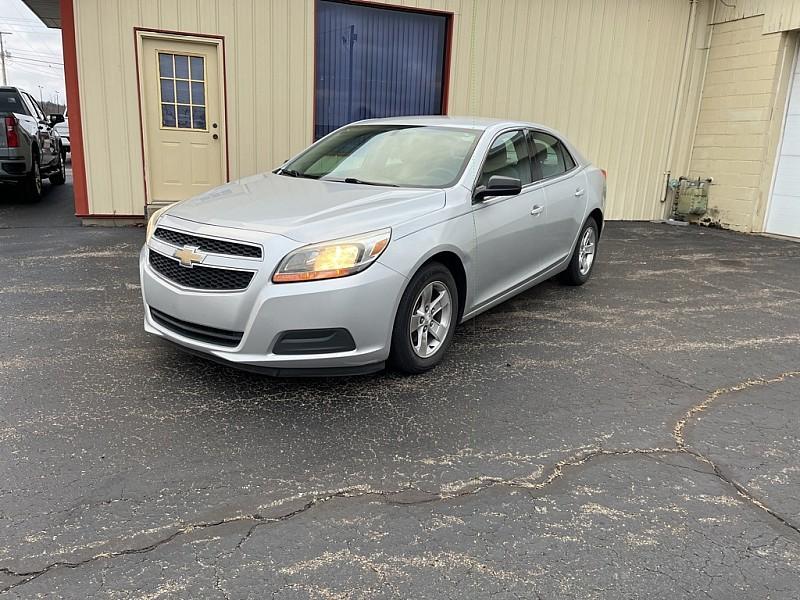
(508, 156)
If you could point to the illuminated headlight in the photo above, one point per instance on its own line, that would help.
(151, 224)
(337, 258)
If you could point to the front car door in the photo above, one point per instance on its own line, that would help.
(564, 185)
(508, 228)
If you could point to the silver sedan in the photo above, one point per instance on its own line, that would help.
(371, 245)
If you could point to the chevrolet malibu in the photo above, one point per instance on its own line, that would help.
(371, 245)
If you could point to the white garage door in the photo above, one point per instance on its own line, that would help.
(784, 210)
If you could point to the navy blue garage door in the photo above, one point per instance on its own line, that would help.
(376, 62)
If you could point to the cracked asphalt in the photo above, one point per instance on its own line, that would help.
(634, 438)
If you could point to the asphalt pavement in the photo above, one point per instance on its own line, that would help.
(637, 437)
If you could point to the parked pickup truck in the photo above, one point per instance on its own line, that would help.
(30, 147)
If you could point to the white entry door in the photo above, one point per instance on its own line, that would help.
(783, 217)
(182, 106)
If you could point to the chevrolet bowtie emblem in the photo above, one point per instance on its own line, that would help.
(189, 256)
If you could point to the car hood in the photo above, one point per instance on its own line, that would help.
(307, 210)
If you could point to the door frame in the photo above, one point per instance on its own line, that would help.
(794, 63)
(139, 35)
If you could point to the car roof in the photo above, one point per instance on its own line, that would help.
(481, 123)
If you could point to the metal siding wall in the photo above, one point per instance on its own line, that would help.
(602, 71)
(269, 65)
(779, 15)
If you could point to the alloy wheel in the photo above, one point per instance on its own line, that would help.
(431, 319)
(587, 250)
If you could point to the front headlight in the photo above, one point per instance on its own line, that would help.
(337, 258)
(151, 224)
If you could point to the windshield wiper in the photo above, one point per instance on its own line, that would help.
(293, 173)
(362, 182)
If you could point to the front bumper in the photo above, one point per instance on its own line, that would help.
(363, 304)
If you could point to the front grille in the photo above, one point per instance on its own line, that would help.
(202, 333)
(199, 277)
(177, 238)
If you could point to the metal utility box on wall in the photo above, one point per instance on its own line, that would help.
(692, 198)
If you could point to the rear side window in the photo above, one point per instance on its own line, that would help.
(508, 156)
(11, 102)
(33, 107)
(549, 156)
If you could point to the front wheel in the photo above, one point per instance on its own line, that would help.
(582, 263)
(59, 176)
(426, 320)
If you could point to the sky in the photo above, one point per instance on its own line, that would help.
(33, 51)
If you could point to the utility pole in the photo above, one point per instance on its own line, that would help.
(3, 56)
(41, 102)
(58, 106)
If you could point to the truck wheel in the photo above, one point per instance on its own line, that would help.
(59, 176)
(32, 187)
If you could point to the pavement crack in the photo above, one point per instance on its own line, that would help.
(461, 489)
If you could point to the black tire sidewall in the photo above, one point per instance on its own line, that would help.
(573, 275)
(402, 356)
(32, 193)
(60, 176)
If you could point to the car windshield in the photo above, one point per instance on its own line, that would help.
(392, 155)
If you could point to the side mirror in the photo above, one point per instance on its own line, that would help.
(56, 118)
(498, 185)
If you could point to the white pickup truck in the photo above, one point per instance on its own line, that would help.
(30, 147)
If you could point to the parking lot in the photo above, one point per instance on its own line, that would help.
(636, 437)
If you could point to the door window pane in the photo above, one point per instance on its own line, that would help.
(183, 100)
(373, 61)
(167, 90)
(198, 73)
(198, 117)
(550, 157)
(165, 65)
(181, 66)
(184, 116)
(198, 93)
(182, 91)
(508, 157)
(168, 115)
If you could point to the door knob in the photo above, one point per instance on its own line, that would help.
(580, 192)
(537, 210)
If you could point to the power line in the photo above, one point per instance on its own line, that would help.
(31, 54)
(11, 56)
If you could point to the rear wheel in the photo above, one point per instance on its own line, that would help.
(582, 263)
(426, 320)
(32, 186)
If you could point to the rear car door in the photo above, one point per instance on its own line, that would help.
(508, 229)
(565, 190)
(45, 135)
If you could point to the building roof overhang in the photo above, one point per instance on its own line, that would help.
(49, 11)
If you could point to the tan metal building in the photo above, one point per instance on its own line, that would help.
(170, 97)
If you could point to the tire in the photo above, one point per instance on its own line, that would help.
(411, 353)
(32, 186)
(59, 177)
(578, 272)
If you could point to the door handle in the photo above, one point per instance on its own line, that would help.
(580, 192)
(537, 210)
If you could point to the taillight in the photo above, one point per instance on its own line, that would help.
(12, 139)
(605, 173)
